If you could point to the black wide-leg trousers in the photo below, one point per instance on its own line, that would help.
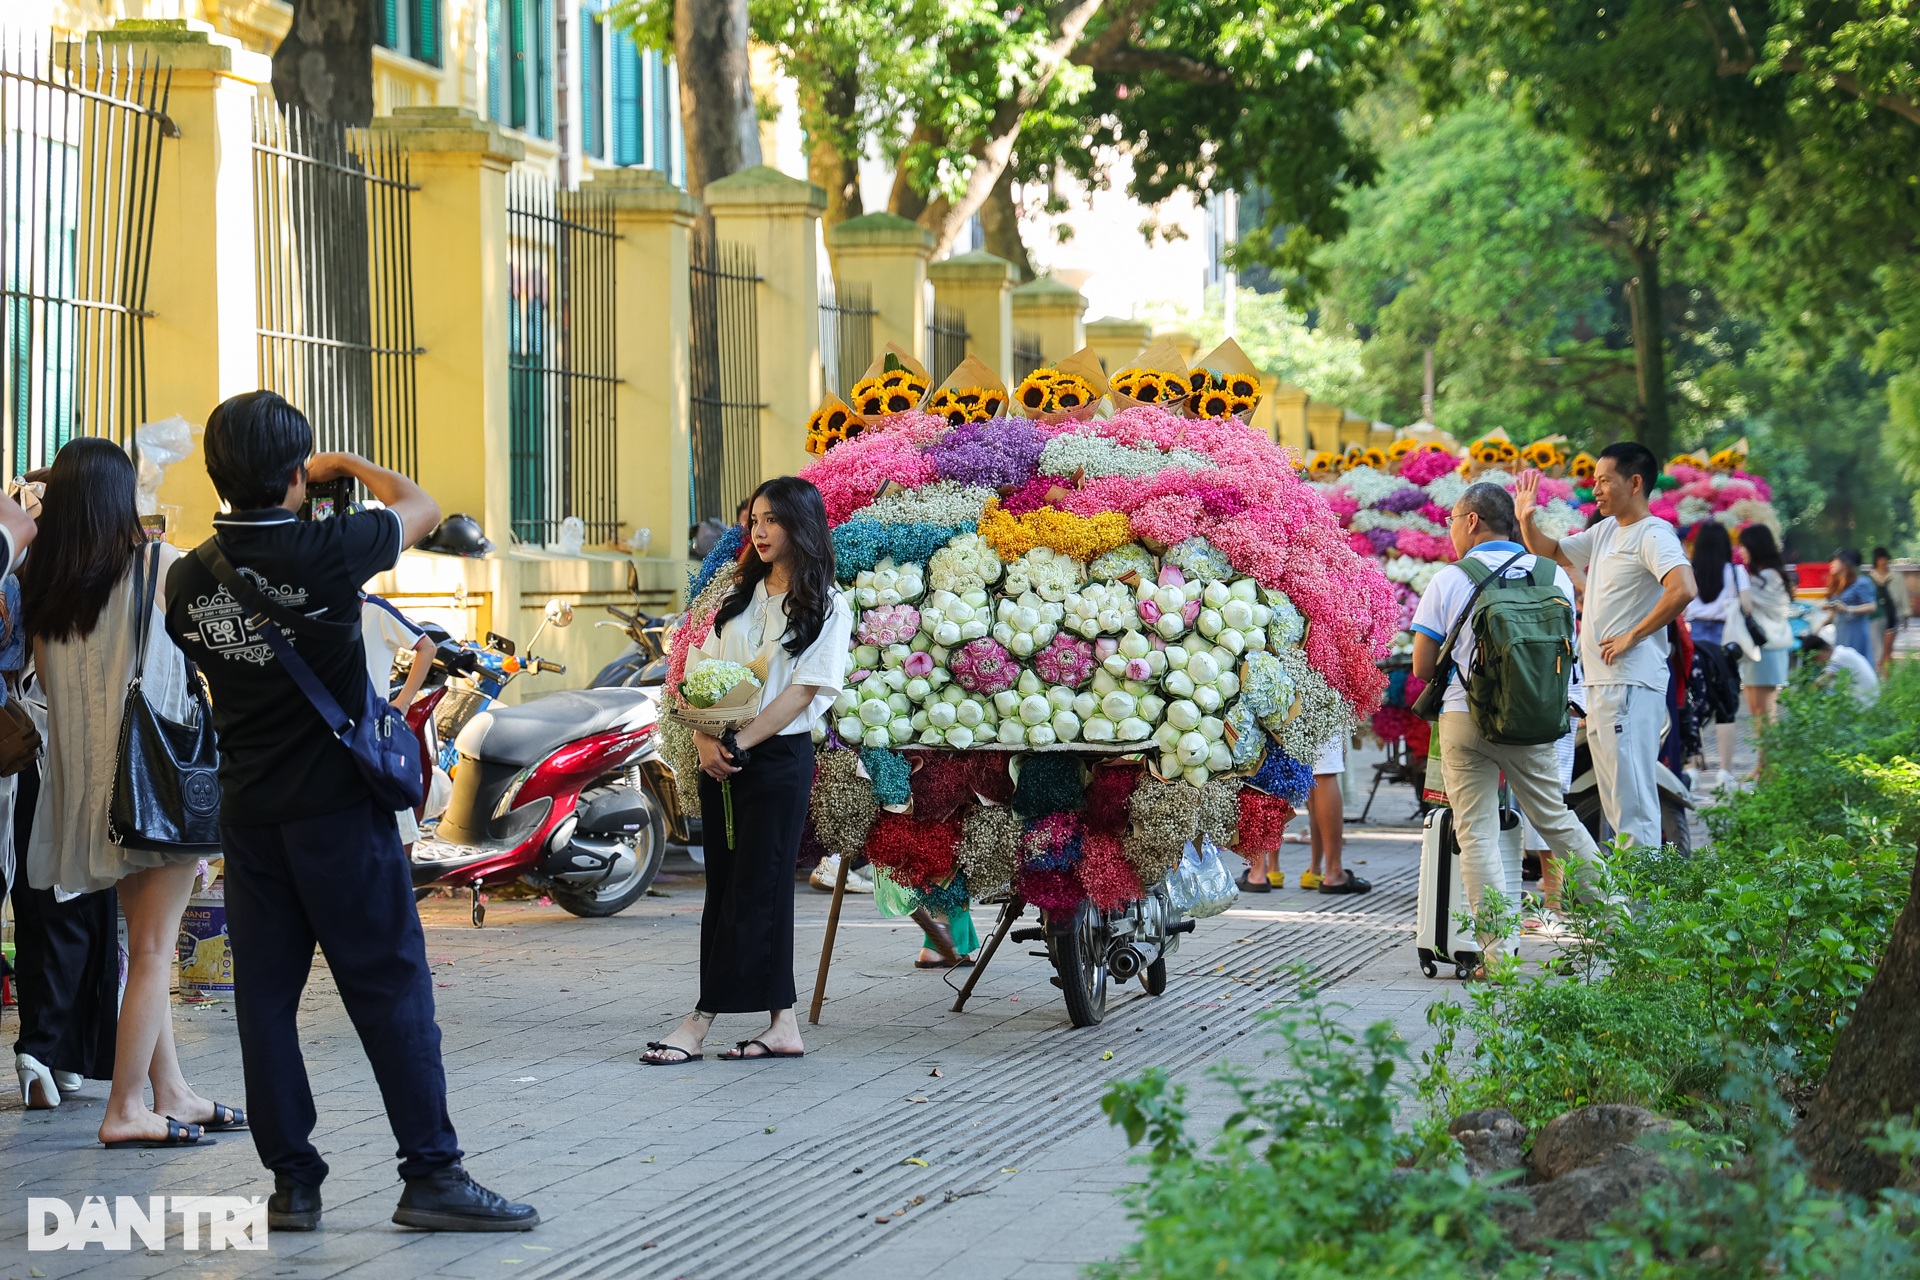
(746, 933)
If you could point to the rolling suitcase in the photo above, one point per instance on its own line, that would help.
(1438, 937)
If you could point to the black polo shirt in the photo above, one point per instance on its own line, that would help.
(278, 760)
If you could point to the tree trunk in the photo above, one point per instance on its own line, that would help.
(827, 167)
(717, 112)
(1875, 1071)
(1653, 428)
(325, 64)
(1000, 220)
(906, 200)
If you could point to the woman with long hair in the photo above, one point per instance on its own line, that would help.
(1767, 601)
(1850, 603)
(784, 608)
(78, 595)
(1720, 581)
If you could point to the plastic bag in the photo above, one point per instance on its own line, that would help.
(573, 537)
(160, 445)
(1200, 885)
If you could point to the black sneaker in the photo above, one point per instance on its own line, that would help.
(294, 1206)
(448, 1200)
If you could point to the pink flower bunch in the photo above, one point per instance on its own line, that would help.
(1735, 491)
(1341, 503)
(1435, 512)
(1666, 507)
(1423, 546)
(1362, 543)
(1425, 468)
(1553, 488)
(851, 473)
(1066, 660)
(1030, 496)
(889, 624)
(1687, 474)
(983, 666)
(918, 665)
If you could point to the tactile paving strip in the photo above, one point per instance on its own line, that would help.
(800, 1227)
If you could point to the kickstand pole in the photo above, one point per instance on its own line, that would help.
(1008, 914)
(826, 948)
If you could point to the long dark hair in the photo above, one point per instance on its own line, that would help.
(89, 534)
(1712, 553)
(801, 511)
(1762, 551)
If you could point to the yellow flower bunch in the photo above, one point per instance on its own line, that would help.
(1581, 468)
(1400, 449)
(968, 404)
(1051, 391)
(1725, 460)
(895, 391)
(829, 425)
(1215, 395)
(1375, 458)
(1682, 460)
(1542, 454)
(1152, 386)
(1080, 537)
(1355, 456)
(1493, 453)
(1324, 466)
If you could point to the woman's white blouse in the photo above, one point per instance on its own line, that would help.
(760, 628)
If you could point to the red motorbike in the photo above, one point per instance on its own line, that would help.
(553, 792)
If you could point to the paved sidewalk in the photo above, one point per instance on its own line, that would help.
(981, 1131)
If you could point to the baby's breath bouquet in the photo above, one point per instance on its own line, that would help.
(716, 696)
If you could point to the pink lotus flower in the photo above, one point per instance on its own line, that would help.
(1190, 611)
(1105, 647)
(1149, 612)
(1065, 660)
(918, 665)
(982, 666)
(1138, 669)
(1171, 576)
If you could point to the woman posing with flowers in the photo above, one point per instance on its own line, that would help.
(783, 607)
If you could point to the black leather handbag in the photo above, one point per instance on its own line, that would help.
(166, 781)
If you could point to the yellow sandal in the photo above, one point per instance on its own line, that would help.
(1309, 879)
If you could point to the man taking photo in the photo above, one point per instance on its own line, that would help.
(310, 858)
(1638, 580)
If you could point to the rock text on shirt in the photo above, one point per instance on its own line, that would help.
(221, 622)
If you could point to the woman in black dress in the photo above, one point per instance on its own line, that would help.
(784, 608)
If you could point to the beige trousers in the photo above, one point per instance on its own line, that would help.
(1472, 766)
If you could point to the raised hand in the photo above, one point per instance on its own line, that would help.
(1526, 494)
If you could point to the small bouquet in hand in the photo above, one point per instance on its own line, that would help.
(717, 697)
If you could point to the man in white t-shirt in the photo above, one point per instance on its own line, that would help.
(1483, 526)
(1839, 659)
(1638, 581)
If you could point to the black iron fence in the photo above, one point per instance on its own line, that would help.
(333, 281)
(725, 376)
(1028, 353)
(560, 359)
(947, 339)
(81, 141)
(846, 334)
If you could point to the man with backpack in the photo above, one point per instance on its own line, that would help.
(1497, 628)
(1638, 581)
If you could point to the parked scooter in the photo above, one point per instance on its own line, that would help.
(553, 792)
(1089, 948)
(1583, 797)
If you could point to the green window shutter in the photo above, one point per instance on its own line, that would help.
(426, 30)
(628, 140)
(593, 44)
(387, 32)
(543, 68)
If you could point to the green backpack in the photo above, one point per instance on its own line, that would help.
(1523, 655)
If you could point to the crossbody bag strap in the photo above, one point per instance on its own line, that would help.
(146, 580)
(263, 620)
(1443, 666)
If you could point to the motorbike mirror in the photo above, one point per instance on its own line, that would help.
(633, 579)
(559, 612)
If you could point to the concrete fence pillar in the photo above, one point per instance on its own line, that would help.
(1118, 342)
(1053, 310)
(1184, 342)
(1354, 429)
(1289, 415)
(888, 255)
(981, 286)
(651, 318)
(460, 164)
(1323, 427)
(202, 343)
(777, 218)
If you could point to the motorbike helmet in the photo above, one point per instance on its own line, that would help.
(458, 535)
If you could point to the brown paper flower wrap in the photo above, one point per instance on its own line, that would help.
(1159, 376)
(895, 383)
(741, 704)
(1224, 383)
(1068, 391)
(971, 393)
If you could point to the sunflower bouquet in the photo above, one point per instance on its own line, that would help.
(1544, 455)
(971, 393)
(1223, 384)
(1493, 451)
(1581, 467)
(1071, 389)
(1153, 386)
(895, 383)
(832, 423)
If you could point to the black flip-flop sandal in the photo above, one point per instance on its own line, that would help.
(739, 1052)
(660, 1045)
(1254, 886)
(178, 1135)
(224, 1119)
(1352, 884)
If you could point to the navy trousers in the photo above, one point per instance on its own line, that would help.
(339, 880)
